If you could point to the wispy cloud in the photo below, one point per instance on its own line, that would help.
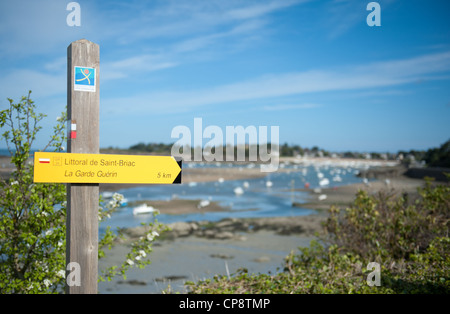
(184, 19)
(342, 15)
(17, 84)
(136, 64)
(356, 77)
(37, 28)
(283, 107)
(254, 10)
(176, 30)
(241, 32)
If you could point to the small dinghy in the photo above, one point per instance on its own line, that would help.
(143, 209)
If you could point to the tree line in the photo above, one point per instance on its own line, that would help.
(433, 157)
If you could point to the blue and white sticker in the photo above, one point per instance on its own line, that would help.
(84, 79)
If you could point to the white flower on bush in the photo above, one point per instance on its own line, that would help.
(151, 236)
(141, 255)
(117, 197)
(107, 215)
(111, 204)
(47, 283)
(61, 273)
(130, 262)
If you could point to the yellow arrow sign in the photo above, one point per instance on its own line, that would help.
(104, 168)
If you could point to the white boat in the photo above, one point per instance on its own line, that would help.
(107, 194)
(337, 178)
(269, 184)
(143, 209)
(324, 182)
(238, 191)
(203, 203)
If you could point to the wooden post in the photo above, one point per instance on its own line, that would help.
(82, 199)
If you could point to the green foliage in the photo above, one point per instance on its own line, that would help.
(385, 226)
(138, 250)
(152, 148)
(33, 215)
(439, 157)
(409, 240)
(434, 157)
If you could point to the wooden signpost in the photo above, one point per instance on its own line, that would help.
(82, 198)
(83, 168)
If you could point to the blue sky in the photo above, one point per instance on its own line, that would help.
(313, 68)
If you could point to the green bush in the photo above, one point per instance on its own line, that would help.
(33, 215)
(408, 240)
(389, 227)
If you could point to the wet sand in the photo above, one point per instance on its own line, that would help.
(193, 258)
(179, 206)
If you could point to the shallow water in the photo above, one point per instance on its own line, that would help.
(257, 200)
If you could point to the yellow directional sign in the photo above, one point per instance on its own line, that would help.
(104, 168)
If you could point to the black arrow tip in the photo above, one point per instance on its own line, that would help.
(180, 163)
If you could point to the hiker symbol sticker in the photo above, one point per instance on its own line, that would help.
(84, 79)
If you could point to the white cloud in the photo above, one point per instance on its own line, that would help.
(182, 20)
(17, 84)
(179, 30)
(342, 15)
(136, 64)
(39, 27)
(367, 76)
(258, 9)
(282, 107)
(58, 64)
